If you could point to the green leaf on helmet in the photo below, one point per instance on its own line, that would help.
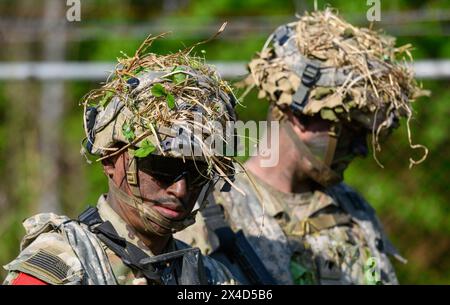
(106, 98)
(127, 132)
(139, 70)
(178, 78)
(339, 109)
(146, 149)
(170, 99)
(158, 90)
(351, 104)
(348, 33)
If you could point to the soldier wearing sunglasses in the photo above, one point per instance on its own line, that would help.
(135, 124)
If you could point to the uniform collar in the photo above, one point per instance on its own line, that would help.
(282, 201)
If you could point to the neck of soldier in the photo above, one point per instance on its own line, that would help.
(154, 242)
(287, 174)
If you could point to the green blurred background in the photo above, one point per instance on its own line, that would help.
(40, 165)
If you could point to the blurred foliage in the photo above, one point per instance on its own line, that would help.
(413, 204)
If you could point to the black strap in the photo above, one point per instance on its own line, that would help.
(90, 115)
(192, 271)
(236, 247)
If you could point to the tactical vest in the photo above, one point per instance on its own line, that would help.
(279, 228)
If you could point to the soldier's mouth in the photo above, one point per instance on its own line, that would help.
(171, 211)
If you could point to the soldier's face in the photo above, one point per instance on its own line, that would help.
(316, 134)
(167, 185)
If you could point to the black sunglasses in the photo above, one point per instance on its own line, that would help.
(170, 170)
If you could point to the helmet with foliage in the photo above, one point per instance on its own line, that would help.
(171, 105)
(322, 65)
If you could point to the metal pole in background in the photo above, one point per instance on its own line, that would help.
(51, 108)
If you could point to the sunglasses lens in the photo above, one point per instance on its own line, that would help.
(170, 170)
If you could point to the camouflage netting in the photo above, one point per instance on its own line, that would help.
(364, 76)
(150, 99)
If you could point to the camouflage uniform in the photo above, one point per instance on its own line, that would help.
(324, 237)
(50, 252)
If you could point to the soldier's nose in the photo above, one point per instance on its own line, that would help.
(178, 189)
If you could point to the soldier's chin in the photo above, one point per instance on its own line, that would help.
(160, 230)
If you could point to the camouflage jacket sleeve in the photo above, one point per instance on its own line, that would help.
(48, 258)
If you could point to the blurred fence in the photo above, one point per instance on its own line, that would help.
(424, 69)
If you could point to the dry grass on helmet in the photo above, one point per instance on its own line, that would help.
(186, 82)
(380, 82)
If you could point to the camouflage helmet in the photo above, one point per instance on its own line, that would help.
(322, 65)
(171, 105)
(156, 104)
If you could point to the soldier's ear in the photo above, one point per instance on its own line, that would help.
(109, 167)
(110, 164)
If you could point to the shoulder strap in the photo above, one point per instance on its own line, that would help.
(129, 253)
(318, 223)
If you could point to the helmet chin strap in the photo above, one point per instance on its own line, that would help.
(320, 171)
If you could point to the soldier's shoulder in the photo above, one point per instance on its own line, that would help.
(245, 190)
(350, 200)
(45, 252)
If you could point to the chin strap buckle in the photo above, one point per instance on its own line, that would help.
(131, 171)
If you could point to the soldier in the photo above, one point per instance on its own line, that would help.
(141, 124)
(330, 85)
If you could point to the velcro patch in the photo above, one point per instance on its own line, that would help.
(47, 267)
